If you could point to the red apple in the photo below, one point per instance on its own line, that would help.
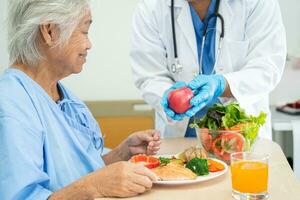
(179, 99)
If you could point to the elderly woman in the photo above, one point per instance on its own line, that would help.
(50, 144)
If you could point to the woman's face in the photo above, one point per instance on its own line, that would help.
(70, 58)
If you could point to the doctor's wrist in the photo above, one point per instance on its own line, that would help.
(227, 92)
(221, 84)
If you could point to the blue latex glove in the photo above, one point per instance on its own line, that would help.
(207, 90)
(165, 103)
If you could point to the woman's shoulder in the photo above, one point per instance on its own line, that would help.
(15, 98)
(12, 85)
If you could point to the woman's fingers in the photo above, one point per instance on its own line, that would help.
(148, 135)
(142, 180)
(153, 148)
(154, 144)
(141, 170)
(152, 151)
(136, 188)
(122, 179)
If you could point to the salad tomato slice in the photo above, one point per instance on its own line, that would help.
(148, 161)
(226, 144)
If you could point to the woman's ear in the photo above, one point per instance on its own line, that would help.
(49, 33)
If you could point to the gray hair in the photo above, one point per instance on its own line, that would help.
(25, 18)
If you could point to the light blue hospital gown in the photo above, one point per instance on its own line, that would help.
(44, 145)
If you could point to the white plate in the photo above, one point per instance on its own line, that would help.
(210, 176)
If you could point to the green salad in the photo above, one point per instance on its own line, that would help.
(231, 117)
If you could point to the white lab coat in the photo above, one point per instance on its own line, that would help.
(252, 57)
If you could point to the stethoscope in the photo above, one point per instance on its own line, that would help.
(176, 67)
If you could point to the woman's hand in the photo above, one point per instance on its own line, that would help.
(122, 179)
(143, 142)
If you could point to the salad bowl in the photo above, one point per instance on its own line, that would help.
(227, 129)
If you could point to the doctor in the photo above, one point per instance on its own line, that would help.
(224, 49)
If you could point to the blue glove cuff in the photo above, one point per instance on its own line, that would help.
(222, 84)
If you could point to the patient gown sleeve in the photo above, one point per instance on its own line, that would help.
(22, 173)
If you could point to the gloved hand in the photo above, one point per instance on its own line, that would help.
(165, 103)
(207, 90)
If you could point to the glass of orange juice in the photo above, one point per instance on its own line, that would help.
(249, 175)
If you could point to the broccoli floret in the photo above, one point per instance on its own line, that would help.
(198, 166)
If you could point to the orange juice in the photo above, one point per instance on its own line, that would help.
(249, 176)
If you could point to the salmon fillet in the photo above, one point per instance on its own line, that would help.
(172, 172)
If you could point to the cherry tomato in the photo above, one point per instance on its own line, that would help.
(148, 161)
(179, 99)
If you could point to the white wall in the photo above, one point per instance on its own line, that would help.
(291, 16)
(107, 74)
(288, 89)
